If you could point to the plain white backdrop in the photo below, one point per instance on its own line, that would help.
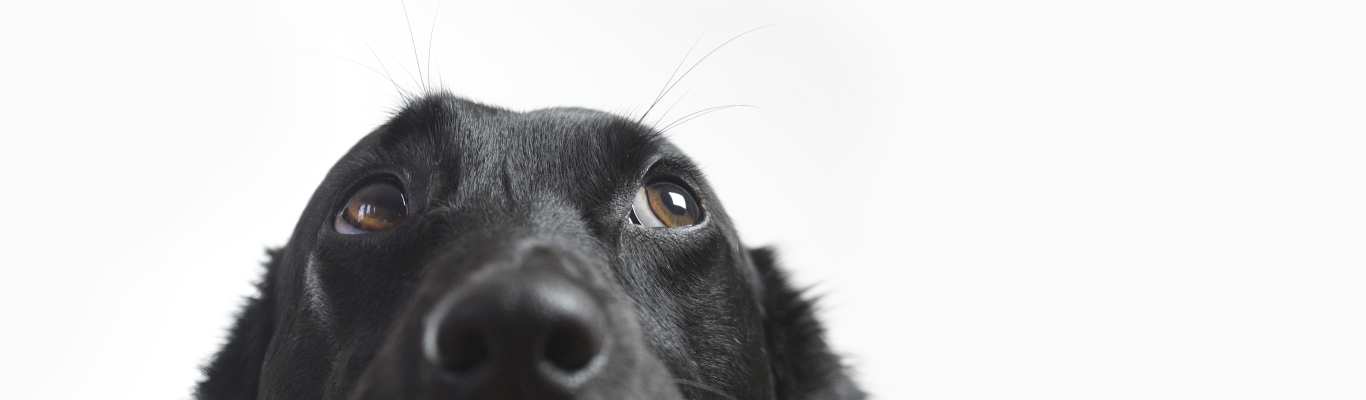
(994, 199)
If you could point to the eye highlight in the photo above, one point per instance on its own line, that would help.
(664, 205)
(377, 206)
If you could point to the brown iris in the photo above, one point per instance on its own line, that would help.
(663, 204)
(377, 206)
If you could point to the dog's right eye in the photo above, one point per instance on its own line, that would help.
(375, 207)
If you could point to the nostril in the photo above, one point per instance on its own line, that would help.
(525, 332)
(571, 346)
(462, 350)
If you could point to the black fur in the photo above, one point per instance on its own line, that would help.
(692, 313)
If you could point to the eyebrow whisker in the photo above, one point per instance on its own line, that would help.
(699, 113)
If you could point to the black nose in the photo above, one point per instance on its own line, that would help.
(530, 333)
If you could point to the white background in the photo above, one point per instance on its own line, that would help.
(995, 199)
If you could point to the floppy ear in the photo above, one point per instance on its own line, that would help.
(235, 372)
(803, 365)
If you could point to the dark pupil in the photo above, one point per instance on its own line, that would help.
(674, 201)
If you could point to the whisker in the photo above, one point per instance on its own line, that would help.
(704, 58)
(700, 113)
(405, 69)
(699, 385)
(381, 75)
(397, 87)
(667, 84)
(671, 107)
(417, 60)
(439, 82)
(431, 34)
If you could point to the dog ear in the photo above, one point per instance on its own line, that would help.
(235, 372)
(803, 365)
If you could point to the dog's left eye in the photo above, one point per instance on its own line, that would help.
(375, 207)
(663, 204)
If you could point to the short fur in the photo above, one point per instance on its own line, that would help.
(695, 315)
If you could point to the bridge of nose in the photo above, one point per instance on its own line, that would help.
(560, 152)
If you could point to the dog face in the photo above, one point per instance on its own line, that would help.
(465, 251)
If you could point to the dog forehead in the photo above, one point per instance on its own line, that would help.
(489, 152)
(479, 133)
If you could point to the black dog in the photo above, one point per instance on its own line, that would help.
(462, 251)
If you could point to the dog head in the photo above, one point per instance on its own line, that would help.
(466, 251)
